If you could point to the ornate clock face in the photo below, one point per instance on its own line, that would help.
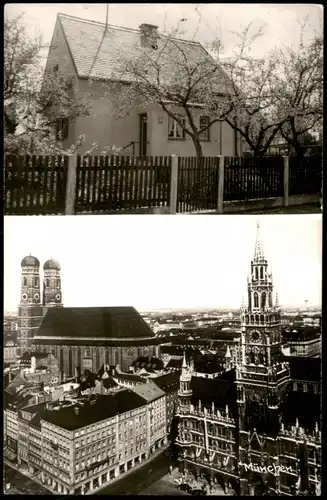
(255, 336)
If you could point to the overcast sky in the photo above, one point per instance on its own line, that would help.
(166, 261)
(217, 20)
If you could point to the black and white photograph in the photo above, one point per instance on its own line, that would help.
(172, 356)
(163, 108)
(146, 352)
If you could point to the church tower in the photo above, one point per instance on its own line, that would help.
(30, 308)
(52, 296)
(262, 376)
(185, 391)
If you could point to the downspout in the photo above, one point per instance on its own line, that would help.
(221, 138)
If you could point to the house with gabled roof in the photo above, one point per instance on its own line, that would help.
(87, 54)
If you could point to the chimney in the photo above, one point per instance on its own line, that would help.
(149, 36)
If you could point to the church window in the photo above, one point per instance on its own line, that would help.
(36, 282)
(47, 282)
(24, 281)
(251, 357)
(262, 319)
(263, 299)
(58, 283)
(256, 299)
(261, 273)
(270, 299)
(257, 319)
(256, 273)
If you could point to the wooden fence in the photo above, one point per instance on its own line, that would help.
(249, 178)
(305, 175)
(121, 183)
(35, 185)
(47, 185)
(197, 187)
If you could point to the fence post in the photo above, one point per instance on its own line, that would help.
(286, 179)
(173, 185)
(71, 185)
(221, 174)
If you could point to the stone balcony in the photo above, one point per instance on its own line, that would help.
(199, 412)
(299, 434)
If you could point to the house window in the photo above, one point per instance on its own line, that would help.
(204, 124)
(175, 131)
(62, 129)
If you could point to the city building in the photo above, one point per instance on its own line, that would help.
(86, 338)
(250, 430)
(10, 351)
(302, 341)
(88, 53)
(31, 308)
(77, 445)
(169, 383)
(156, 413)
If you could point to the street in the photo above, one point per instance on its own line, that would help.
(165, 487)
(138, 480)
(22, 485)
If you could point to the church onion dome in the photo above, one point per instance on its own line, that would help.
(30, 261)
(51, 264)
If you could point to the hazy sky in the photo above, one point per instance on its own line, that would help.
(217, 19)
(166, 261)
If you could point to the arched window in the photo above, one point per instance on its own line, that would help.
(261, 273)
(247, 319)
(263, 300)
(257, 319)
(36, 282)
(58, 283)
(252, 357)
(24, 281)
(270, 299)
(262, 319)
(47, 282)
(256, 273)
(256, 299)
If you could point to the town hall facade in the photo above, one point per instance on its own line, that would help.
(250, 429)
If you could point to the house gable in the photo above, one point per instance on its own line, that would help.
(60, 53)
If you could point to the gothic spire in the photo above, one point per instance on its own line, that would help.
(258, 250)
(184, 361)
